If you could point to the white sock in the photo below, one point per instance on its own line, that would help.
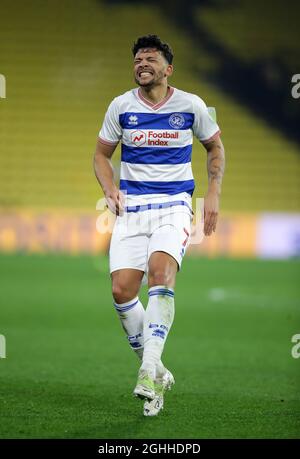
(132, 316)
(158, 320)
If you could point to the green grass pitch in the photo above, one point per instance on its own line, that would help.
(69, 372)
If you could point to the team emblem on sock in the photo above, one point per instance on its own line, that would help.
(160, 330)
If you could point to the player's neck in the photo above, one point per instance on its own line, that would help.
(156, 94)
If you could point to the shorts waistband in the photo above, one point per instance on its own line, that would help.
(157, 205)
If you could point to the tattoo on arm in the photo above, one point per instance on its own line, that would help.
(215, 162)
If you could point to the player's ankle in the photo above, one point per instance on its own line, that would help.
(149, 369)
(160, 369)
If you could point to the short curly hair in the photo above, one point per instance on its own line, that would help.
(153, 41)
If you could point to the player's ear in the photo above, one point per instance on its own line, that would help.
(169, 70)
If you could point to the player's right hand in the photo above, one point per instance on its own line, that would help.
(115, 201)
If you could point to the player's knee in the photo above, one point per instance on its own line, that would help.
(160, 277)
(122, 292)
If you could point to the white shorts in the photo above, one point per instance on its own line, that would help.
(137, 235)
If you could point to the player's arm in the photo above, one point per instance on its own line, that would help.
(105, 176)
(215, 171)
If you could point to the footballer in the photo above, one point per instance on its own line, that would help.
(155, 124)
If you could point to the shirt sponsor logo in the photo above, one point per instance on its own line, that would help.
(176, 120)
(138, 138)
(156, 138)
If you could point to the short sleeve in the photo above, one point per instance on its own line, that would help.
(111, 131)
(205, 127)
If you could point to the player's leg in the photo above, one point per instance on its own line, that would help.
(166, 249)
(128, 261)
(159, 314)
(126, 284)
(158, 320)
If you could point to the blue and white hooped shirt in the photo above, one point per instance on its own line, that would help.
(157, 143)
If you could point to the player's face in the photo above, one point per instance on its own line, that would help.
(150, 67)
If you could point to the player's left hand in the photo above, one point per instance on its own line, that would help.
(211, 211)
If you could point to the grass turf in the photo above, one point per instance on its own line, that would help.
(69, 372)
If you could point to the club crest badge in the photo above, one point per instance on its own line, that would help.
(176, 120)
